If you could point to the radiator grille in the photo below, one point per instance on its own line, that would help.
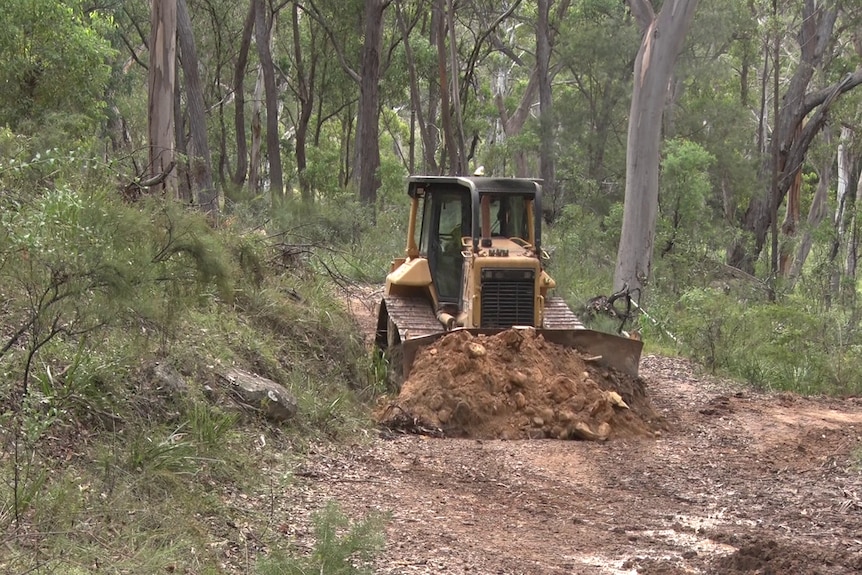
(508, 297)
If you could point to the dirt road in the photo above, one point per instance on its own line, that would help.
(740, 482)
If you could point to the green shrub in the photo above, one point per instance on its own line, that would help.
(768, 345)
(341, 547)
(209, 426)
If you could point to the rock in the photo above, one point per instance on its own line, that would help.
(168, 381)
(616, 399)
(518, 378)
(475, 350)
(582, 431)
(547, 414)
(443, 416)
(262, 394)
(566, 416)
(520, 400)
(603, 431)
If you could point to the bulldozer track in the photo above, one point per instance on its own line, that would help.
(558, 315)
(412, 316)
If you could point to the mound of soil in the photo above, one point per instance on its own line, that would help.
(516, 385)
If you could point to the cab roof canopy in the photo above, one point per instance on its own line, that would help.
(481, 185)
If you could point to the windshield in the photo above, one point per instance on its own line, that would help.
(509, 216)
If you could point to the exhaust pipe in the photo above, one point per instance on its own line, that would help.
(448, 320)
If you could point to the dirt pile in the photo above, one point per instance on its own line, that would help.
(516, 385)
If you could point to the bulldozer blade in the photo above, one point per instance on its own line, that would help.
(614, 351)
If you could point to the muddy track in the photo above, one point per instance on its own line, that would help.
(740, 482)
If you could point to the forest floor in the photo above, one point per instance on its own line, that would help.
(737, 482)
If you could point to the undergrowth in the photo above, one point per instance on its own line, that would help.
(109, 466)
(343, 547)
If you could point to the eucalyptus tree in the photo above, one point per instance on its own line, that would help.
(509, 83)
(849, 200)
(181, 88)
(662, 38)
(718, 105)
(368, 118)
(546, 101)
(240, 174)
(160, 100)
(448, 66)
(222, 32)
(301, 81)
(802, 112)
(366, 74)
(199, 170)
(264, 21)
(421, 109)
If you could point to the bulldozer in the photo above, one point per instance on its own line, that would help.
(474, 261)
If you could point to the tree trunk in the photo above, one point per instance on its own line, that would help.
(241, 173)
(368, 120)
(162, 82)
(844, 166)
(433, 99)
(816, 214)
(445, 105)
(546, 109)
(273, 147)
(460, 155)
(305, 96)
(200, 164)
(853, 241)
(184, 188)
(255, 163)
(429, 144)
(514, 123)
(790, 225)
(662, 38)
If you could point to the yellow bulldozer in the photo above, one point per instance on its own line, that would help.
(474, 261)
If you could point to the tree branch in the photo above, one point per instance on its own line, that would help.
(313, 12)
(643, 12)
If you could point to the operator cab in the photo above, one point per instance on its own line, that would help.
(457, 216)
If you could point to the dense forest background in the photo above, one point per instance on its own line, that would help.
(303, 119)
(189, 183)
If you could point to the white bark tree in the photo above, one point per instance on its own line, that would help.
(263, 37)
(162, 81)
(546, 101)
(662, 38)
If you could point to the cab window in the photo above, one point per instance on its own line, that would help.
(509, 216)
